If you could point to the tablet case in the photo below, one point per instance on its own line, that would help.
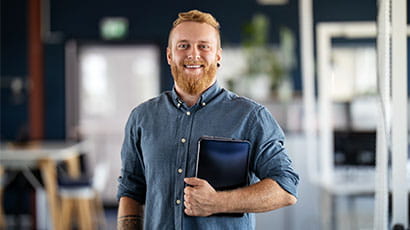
(224, 163)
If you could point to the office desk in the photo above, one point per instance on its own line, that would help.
(351, 183)
(43, 156)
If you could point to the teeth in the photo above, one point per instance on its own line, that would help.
(192, 66)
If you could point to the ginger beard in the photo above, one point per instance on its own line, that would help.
(194, 84)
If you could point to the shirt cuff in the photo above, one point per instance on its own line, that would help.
(135, 192)
(287, 183)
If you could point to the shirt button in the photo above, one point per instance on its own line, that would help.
(179, 171)
(188, 113)
(179, 105)
(183, 140)
(178, 201)
(203, 103)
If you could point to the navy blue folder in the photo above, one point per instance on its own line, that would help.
(223, 162)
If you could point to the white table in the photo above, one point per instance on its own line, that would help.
(43, 156)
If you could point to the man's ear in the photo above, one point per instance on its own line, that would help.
(169, 56)
(219, 55)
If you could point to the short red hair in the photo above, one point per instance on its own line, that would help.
(196, 16)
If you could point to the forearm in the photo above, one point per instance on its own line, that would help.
(130, 214)
(263, 196)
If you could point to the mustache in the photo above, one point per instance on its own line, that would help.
(194, 63)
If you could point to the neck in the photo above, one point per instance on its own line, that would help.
(189, 99)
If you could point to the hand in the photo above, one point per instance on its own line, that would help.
(200, 199)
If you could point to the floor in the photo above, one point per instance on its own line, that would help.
(24, 222)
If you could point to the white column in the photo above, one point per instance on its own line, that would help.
(399, 113)
(380, 218)
(308, 79)
(326, 148)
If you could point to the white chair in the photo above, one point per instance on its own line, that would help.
(82, 196)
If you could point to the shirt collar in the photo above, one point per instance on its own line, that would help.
(204, 99)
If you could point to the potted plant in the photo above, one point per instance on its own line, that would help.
(267, 67)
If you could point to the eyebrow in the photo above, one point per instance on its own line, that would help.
(207, 42)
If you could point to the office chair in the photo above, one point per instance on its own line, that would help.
(82, 196)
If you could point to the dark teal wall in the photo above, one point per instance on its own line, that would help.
(13, 51)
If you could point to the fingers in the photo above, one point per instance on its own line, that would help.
(188, 212)
(188, 208)
(196, 193)
(194, 181)
(189, 205)
(199, 197)
(187, 194)
(189, 197)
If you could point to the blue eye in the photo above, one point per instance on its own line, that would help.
(183, 46)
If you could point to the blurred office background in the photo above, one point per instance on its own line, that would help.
(71, 72)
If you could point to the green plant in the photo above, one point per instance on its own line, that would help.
(261, 57)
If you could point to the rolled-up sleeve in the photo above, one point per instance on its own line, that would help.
(270, 158)
(131, 182)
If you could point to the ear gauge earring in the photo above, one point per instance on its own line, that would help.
(218, 65)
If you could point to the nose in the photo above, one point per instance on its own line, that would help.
(194, 57)
(194, 54)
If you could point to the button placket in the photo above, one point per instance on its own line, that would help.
(184, 142)
(180, 162)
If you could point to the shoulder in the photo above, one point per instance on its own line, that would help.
(257, 112)
(243, 102)
(155, 101)
(152, 104)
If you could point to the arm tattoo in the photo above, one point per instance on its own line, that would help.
(128, 222)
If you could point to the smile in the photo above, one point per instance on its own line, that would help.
(193, 66)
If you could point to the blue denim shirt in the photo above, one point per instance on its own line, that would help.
(160, 149)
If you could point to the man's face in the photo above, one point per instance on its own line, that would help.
(193, 54)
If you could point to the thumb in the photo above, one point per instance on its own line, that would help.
(194, 181)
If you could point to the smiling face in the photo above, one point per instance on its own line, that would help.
(193, 54)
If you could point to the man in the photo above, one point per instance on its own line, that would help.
(157, 188)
